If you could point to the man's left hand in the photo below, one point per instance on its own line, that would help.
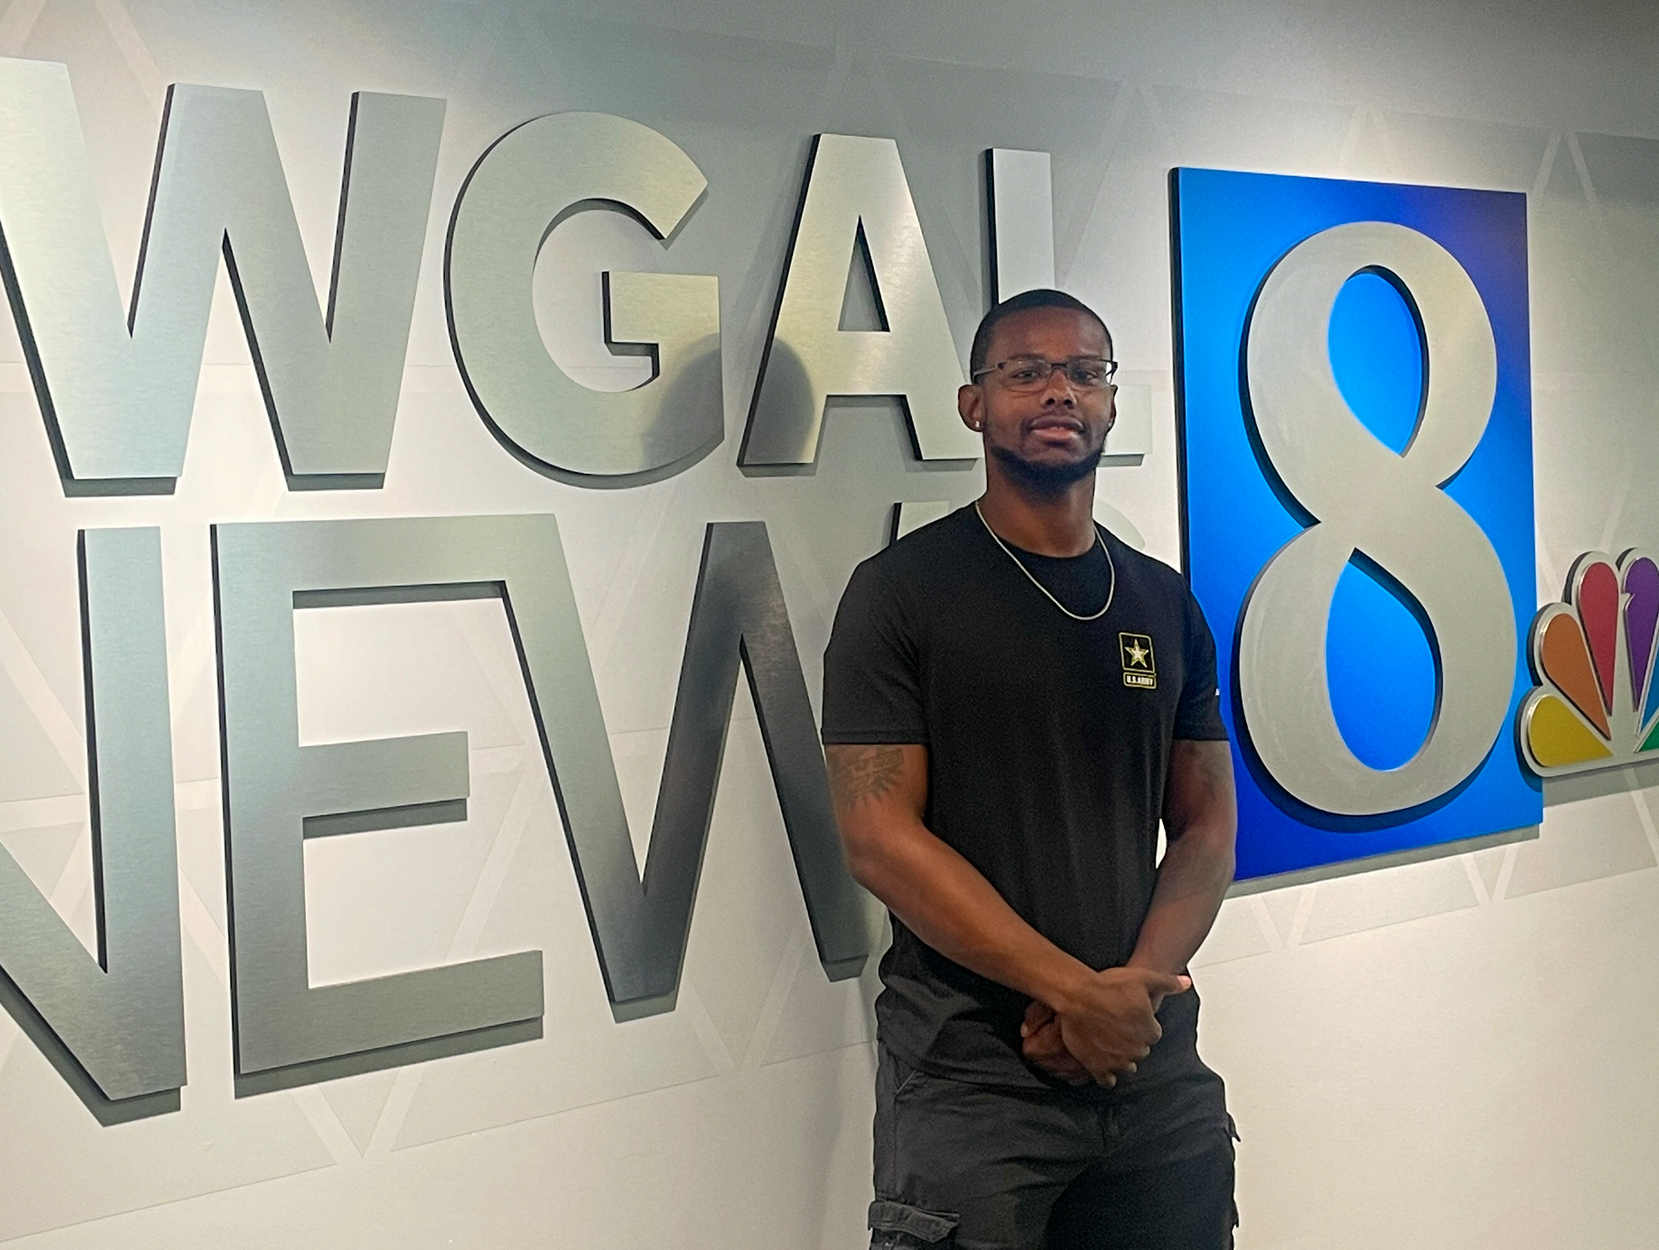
(1043, 1046)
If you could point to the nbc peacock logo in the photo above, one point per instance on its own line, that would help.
(1597, 703)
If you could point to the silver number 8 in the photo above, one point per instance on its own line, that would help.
(1385, 505)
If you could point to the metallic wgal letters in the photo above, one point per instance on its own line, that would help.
(112, 1026)
(117, 396)
(1387, 507)
(1019, 192)
(853, 186)
(523, 186)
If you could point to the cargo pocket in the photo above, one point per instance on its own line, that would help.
(899, 1226)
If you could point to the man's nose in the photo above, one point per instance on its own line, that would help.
(1060, 389)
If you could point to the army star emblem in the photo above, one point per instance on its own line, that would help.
(1140, 668)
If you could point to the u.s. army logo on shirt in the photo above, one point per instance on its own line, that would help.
(1139, 668)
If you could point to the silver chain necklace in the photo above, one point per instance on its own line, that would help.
(1111, 588)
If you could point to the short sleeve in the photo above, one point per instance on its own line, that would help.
(1198, 714)
(872, 683)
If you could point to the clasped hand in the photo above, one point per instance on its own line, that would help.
(1109, 1027)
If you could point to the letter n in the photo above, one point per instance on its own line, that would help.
(113, 1026)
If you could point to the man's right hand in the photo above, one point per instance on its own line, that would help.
(1110, 1021)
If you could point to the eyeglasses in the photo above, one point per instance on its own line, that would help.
(1031, 373)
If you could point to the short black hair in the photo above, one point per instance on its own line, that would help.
(1040, 297)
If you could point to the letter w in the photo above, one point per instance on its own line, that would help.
(641, 926)
(116, 397)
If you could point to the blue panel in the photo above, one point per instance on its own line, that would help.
(1230, 229)
(1376, 352)
(1381, 671)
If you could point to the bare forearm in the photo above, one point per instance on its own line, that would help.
(1201, 817)
(1192, 882)
(1106, 1021)
(945, 901)
(880, 794)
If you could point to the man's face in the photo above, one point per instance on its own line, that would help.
(1053, 435)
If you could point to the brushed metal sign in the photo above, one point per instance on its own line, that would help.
(117, 392)
(113, 1026)
(116, 389)
(520, 188)
(855, 188)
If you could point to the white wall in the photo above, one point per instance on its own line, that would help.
(1450, 1054)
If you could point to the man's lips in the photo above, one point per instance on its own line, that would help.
(1055, 427)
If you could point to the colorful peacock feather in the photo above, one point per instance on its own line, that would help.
(1597, 703)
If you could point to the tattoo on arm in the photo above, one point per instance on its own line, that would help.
(861, 773)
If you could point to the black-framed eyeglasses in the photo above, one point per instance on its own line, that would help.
(1031, 373)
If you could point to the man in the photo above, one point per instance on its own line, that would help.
(1012, 701)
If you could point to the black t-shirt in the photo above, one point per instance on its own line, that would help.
(1048, 745)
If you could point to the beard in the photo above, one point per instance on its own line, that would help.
(1047, 479)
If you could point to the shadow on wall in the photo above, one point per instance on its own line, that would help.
(784, 431)
(1638, 776)
(695, 384)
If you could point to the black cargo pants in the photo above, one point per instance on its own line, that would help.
(974, 1167)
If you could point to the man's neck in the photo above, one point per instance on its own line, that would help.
(1059, 523)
